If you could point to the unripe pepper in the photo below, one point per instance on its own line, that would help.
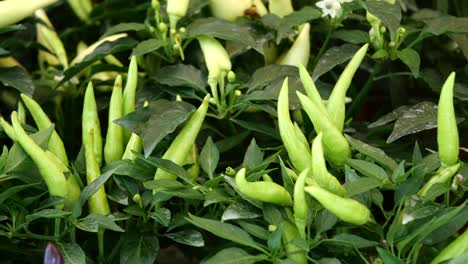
(8, 129)
(346, 209)
(458, 247)
(82, 9)
(176, 9)
(311, 89)
(98, 203)
(50, 172)
(90, 120)
(266, 191)
(114, 147)
(129, 92)
(447, 131)
(192, 158)
(182, 144)
(43, 122)
(280, 8)
(443, 176)
(319, 170)
(135, 143)
(11, 11)
(300, 204)
(296, 253)
(229, 9)
(337, 148)
(336, 101)
(298, 150)
(299, 52)
(79, 58)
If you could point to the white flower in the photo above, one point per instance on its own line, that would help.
(345, 1)
(330, 7)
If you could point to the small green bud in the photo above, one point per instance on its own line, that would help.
(383, 29)
(136, 198)
(230, 171)
(237, 93)
(272, 228)
(231, 76)
(182, 30)
(162, 27)
(391, 44)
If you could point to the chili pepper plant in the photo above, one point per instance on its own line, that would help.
(247, 131)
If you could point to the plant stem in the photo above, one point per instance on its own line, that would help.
(358, 101)
(322, 49)
(57, 228)
(392, 74)
(101, 244)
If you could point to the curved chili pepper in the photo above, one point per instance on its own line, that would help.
(90, 120)
(346, 209)
(114, 147)
(298, 150)
(129, 92)
(319, 170)
(180, 147)
(442, 176)
(336, 101)
(266, 191)
(300, 205)
(296, 253)
(447, 131)
(8, 129)
(337, 148)
(454, 249)
(311, 89)
(299, 52)
(12, 12)
(43, 122)
(280, 8)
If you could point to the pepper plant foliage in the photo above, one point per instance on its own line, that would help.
(248, 131)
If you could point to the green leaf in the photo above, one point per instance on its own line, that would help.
(14, 190)
(390, 117)
(239, 211)
(438, 24)
(233, 255)
(333, 57)
(72, 253)
(47, 213)
(161, 215)
(410, 57)
(351, 36)
(296, 18)
(92, 222)
(230, 142)
(187, 237)
(181, 75)
(325, 221)
(18, 79)
(362, 185)
(124, 27)
(388, 257)
(139, 248)
(221, 29)
(355, 241)
(253, 156)
(258, 127)
(254, 230)
(422, 116)
(106, 48)
(157, 120)
(209, 157)
(368, 169)
(389, 14)
(226, 231)
(147, 46)
(375, 153)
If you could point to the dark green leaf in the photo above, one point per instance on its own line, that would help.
(375, 153)
(438, 24)
(239, 211)
(253, 156)
(209, 157)
(47, 213)
(294, 19)
(392, 116)
(18, 79)
(233, 255)
(422, 116)
(147, 46)
(389, 14)
(368, 169)
(14, 190)
(187, 237)
(157, 120)
(139, 248)
(124, 27)
(231, 142)
(362, 185)
(72, 253)
(161, 215)
(258, 127)
(254, 230)
(388, 257)
(325, 221)
(355, 241)
(226, 231)
(222, 29)
(181, 75)
(410, 57)
(333, 57)
(351, 36)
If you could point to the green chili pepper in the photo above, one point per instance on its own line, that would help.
(280, 8)
(73, 187)
(129, 92)
(43, 122)
(311, 89)
(180, 147)
(50, 172)
(176, 9)
(98, 203)
(192, 158)
(21, 113)
(296, 253)
(135, 143)
(11, 11)
(114, 147)
(454, 249)
(319, 170)
(266, 191)
(8, 129)
(82, 9)
(229, 9)
(298, 150)
(443, 176)
(447, 131)
(336, 101)
(300, 205)
(337, 148)
(299, 52)
(346, 209)
(90, 120)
